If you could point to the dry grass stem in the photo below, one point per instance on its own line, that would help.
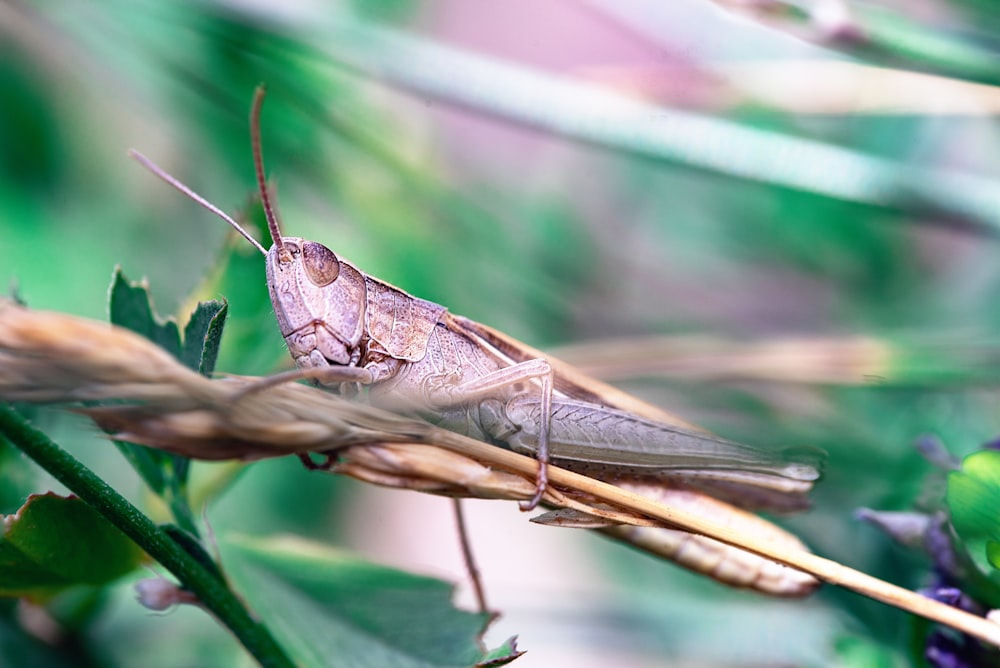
(51, 357)
(857, 360)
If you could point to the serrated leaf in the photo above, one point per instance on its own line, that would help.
(502, 655)
(253, 342)
(326, 606)
(129, 306)
(202, 336)
(973, 499)
(56, 542)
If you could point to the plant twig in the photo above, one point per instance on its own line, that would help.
(471, 567)
(209, 589)
(824, 569)
(51, 357)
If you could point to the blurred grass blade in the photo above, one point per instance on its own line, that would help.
(868, 32)
(859, 360)
(592, 113)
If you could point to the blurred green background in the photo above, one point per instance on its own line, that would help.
(802, 213)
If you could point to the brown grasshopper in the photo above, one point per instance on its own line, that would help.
(343, 326)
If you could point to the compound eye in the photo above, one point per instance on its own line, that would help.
(321, 265)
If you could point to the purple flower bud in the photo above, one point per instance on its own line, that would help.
(954, 597)
(160, 594)
(933, 451)
(944, 651)
(908, 529)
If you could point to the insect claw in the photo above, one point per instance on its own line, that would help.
(313, 465)
(541, 485)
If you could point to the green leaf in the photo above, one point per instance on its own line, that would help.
(973, 499)
(328, 607)
(502, 655)
(56, 542)
(202, 336)
(129, 306)
(17, 477)
(253, 342)
(993, 553)
(858, 650)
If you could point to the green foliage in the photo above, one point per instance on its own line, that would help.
(36, 563)
(710, 212)
(321, 604)
(252, 343)
(130, 306)
(324, 603)
(974, 505)
(852, 652)
(17, 477)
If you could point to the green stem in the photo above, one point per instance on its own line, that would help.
(210, 590)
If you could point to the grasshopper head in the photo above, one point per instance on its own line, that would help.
(319, 301)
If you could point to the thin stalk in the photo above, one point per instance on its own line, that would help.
(210, 590)
(824, 569)
(469, 557)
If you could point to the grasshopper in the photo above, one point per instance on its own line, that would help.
(345, 327)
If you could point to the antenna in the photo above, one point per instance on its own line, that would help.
(156, 169)
(258, 164)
